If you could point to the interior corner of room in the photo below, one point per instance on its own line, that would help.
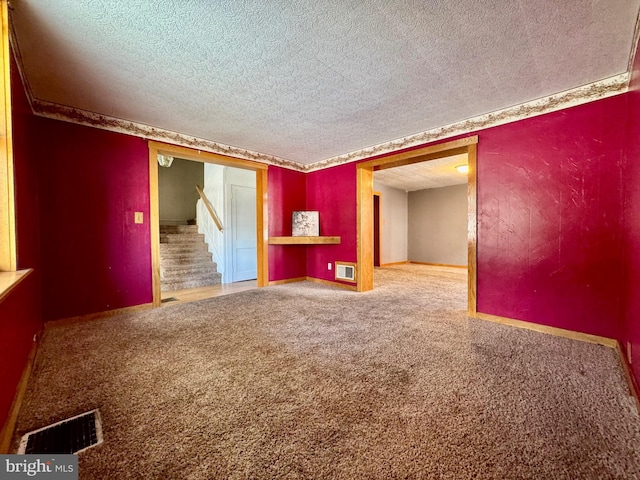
(144, 194)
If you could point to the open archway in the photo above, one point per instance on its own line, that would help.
(260, 169)
(365, 171)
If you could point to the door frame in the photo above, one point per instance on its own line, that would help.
(364, 176)
(262, 236)
(377, 220)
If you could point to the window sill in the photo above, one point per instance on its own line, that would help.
(9, 281)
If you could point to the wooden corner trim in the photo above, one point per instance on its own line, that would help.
(634, 388)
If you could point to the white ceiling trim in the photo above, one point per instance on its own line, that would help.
(577, 96)
(588, 93)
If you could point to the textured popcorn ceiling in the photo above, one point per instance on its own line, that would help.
(418, 176)
(310, 80)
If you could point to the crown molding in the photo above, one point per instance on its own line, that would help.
(570, 98)
(112, 124)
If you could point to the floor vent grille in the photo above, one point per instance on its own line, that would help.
(72, 435)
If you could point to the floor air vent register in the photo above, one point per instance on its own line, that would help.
(72, 435)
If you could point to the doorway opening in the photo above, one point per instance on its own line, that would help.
(365, 206)
(246, 234)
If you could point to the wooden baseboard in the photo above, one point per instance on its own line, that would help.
(438, 264)
(405, 262)
(353, 288)
(287, 280)
(6, 434)
(558, 332)
(314, 280)
(93, 316)
(634, 388)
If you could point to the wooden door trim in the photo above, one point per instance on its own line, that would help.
(379, 195)
(364, 187)
(262, 234)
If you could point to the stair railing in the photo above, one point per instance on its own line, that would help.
(210, 209)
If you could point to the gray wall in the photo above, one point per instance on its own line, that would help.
(177, 190)
(394, 226)
(438, 225)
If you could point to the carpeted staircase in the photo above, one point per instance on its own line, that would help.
(185, 261)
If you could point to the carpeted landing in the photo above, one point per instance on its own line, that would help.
(306, 381)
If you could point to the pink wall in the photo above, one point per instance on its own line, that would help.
(94, 258)
(20, 316)
(631, 180)
(549, 218)
(333, 193)
(287, 190)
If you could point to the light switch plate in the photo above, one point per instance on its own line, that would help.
(138, 218)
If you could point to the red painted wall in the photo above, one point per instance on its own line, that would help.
(332, 192)
(20, 316)
(19, 320)
(287, 192)
(632, 222)
(94, 258)
(549, 218)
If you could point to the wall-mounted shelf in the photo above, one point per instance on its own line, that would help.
(324, 240)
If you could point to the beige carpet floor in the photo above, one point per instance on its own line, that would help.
(304, 381)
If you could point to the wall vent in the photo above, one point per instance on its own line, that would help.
(346, 271)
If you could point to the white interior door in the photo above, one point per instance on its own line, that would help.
(243, 233)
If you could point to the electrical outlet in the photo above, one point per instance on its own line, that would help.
(138, 217)
(329, 266)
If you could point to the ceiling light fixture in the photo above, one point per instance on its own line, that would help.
(462, 168)
(165, 160)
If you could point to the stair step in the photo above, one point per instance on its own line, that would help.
(178, 229)
(184, 248)
(179, 271)
(178, 259)
(181, 238)
(193, 282)
(185, 261)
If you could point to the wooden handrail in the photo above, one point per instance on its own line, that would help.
(207, 204)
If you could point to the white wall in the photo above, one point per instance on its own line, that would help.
(217, 180)
(438, 225)
(214, 190)
(393, 231)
